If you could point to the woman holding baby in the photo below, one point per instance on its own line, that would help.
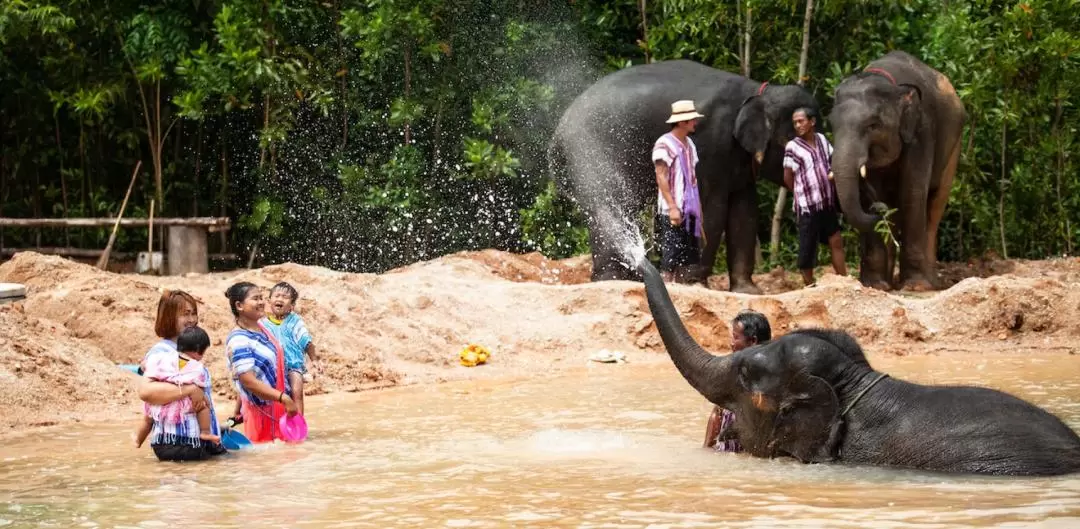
(176, 436)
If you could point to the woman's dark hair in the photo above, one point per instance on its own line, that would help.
(288, 289)
(238, 293)
(193, 340)
(754, 325)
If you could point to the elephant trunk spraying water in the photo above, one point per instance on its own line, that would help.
(812, 395)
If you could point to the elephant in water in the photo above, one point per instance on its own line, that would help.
(896, 133)
(600, 154)
(812, 395)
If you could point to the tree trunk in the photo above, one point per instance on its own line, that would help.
(1059, 166)
(781, 196)
(37, 203)
(344, 77)
(644, 30)
(437, 136)
(63, 179)
(266, 125)
(198, 169)
(408, 89)
(224, 196)
(1001, 197)
(156, 147)
(746, 38)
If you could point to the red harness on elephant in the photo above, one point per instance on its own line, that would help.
(882, 73)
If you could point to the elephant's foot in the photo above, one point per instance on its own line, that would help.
(744, 286)
(876, 283)
(917, 284)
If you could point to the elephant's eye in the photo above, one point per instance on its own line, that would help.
(873, 126)
(744, 375)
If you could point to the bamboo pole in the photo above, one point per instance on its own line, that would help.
(213, 224)
(103, 261)
(150, 243)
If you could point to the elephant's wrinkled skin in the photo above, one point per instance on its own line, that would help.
(813, 396)
(601, 149)
(898, 123)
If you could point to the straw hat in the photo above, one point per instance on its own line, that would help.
(682, 111)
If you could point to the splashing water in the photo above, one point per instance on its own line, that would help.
(628, 238)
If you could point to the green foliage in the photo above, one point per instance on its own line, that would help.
(266, 216)
(553, 226)
(371, 133)
(884, 228)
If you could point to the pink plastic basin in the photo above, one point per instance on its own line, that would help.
(293, 429)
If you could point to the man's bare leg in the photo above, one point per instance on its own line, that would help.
(836, 246)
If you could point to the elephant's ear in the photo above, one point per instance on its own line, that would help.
(910, 99)
(808, 422)
(752, 127)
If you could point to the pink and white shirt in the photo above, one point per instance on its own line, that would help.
(681, 160)
(812, 188)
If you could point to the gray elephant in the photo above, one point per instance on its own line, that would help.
(896, 133)
(601, 148)
(813, 396)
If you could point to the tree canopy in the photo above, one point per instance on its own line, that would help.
(363, 135)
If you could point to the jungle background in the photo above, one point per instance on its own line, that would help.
(364, 135)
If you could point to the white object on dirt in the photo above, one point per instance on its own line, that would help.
(149, 263)
(608, 357)
(10, 292)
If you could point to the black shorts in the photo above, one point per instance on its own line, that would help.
(678, 247)
(814, 229)
(186, 452)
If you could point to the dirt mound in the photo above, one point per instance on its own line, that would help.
(59, 346)
(47, 375)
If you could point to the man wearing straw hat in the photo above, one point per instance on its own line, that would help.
(678, 219)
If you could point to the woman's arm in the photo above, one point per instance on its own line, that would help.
(266, 391)
(161, 393)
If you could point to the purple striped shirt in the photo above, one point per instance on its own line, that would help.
(811, 165)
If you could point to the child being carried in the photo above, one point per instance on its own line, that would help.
(183, 370)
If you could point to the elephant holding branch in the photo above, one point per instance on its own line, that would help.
(812, 395)
(601, 148)
(896, 133)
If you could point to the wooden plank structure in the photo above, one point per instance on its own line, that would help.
(186, 248)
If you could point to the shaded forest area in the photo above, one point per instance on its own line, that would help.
(363, 135)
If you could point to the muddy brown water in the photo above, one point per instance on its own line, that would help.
(603, 446)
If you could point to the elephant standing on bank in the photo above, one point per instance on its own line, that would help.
(812, 395)
(896, 134)
(601, 155)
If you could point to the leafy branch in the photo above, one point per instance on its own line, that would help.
(884, 228)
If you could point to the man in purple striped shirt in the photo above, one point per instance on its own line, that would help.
(807, 166)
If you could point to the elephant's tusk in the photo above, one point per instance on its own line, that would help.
(862, 170)
(761, 402)
(759, 156)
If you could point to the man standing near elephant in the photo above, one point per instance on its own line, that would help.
(807, 166)
(678, 219)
